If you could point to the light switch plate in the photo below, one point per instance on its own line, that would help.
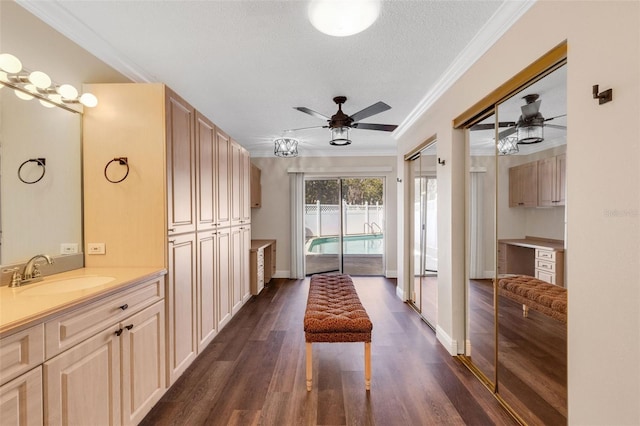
(96, 248)
(69, 248)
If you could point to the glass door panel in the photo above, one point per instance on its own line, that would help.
(323, 226)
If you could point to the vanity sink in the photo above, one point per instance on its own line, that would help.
(66, 285)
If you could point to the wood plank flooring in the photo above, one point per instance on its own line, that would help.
(253, 373)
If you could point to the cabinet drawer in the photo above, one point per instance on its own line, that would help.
(546, 265)
(69, 329)
(549, 277)
(21, 352)
(546, 254)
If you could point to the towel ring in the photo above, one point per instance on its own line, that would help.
(40, 161)
(123, 162)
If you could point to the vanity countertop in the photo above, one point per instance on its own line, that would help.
(22, 306)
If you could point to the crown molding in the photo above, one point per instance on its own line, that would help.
(57, 16)
(506, 15)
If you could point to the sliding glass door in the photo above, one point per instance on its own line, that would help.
(344, 222)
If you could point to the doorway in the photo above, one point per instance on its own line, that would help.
(344, 225)
(424, 260)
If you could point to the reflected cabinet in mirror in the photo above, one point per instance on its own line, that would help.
(517, 285)
(40, 187)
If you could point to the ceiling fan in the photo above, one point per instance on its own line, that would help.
(529, 126)
(340, 123)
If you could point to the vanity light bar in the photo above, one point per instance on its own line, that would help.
(36, 84)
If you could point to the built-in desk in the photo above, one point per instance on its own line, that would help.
(262, 263)
(536, 257)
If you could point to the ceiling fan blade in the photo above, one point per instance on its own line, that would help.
(312, 112)
(530, 110)
(555, 126)
(307, 128)
(370, 126)
(557, 116)
(491, 126)
(376, 108)
(503, 134)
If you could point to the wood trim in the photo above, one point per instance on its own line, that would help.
(547, 63)
(423, 145)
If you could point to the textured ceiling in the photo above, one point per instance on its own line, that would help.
(246, 64)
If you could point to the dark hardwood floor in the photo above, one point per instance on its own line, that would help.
(254, 371)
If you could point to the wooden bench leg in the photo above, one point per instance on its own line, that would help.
(525, 311)
(367, 365)
(309, 365)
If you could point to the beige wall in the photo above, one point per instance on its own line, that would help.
(272, 220)
(603, 190)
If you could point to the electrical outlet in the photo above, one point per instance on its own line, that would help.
(69, 248)
(95, 248)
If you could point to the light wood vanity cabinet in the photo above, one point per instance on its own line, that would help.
(21, 400)
(550, 266)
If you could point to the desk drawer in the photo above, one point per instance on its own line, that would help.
(549, 277)
(546, 265)
(21, 352)
(546, 254)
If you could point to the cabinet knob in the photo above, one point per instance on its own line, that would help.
(171, 229)
(123, 307)
(172, 241)
(118, 332)
(129, 327)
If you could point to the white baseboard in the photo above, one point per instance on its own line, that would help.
(400, 293)
(445, 340)
(391, 274)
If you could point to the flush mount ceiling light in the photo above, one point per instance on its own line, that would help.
(285, 146)
(28, 85)
(341, 18)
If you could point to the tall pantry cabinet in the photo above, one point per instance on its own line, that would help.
(180, 207)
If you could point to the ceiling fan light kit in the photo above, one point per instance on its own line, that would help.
(340, 136)
(341, 18)
(508, 145)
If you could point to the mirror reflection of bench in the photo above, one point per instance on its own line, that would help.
(535, 294)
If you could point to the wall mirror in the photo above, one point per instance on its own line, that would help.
(516, 227)
(39, 217)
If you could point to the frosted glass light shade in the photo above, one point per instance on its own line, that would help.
(340, 136)
(341, 18)
(67, 91)
(10, 63)
(22, 95)
(88, 100)
(40, 79)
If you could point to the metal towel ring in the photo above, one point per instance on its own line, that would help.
(40, 161)
(123, 162)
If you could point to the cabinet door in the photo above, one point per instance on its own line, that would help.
(82, 385)
(245, 206)
(546, 182)
(256, 186)
(523, 185)
(236, 183)
(206, 172)
(223, 145)
(181, 304)
(21, 400)
(236, 269)
(245, 260)
(224, 283)
(561, 180)
(143, 362)
(207, 324)
(181, 157)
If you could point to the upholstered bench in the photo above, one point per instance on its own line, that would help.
(334, 314)
(533, 293)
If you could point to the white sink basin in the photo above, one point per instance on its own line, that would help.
(66, 285)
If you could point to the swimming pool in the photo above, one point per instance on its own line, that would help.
(353, 244)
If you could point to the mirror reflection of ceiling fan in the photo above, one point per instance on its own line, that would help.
(340, 123)
(529, 127)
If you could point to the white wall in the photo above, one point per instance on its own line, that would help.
(603, 190)
(272, 220)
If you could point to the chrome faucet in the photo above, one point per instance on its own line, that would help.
(31, 271)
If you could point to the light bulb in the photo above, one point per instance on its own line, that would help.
(23, 96)
(88, 100)
(10, 63)
(68, 91)
(40, 79)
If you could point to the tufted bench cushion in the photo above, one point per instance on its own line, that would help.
(539, 295)
(334, 314)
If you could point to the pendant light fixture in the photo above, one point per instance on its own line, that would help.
(285, 145)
